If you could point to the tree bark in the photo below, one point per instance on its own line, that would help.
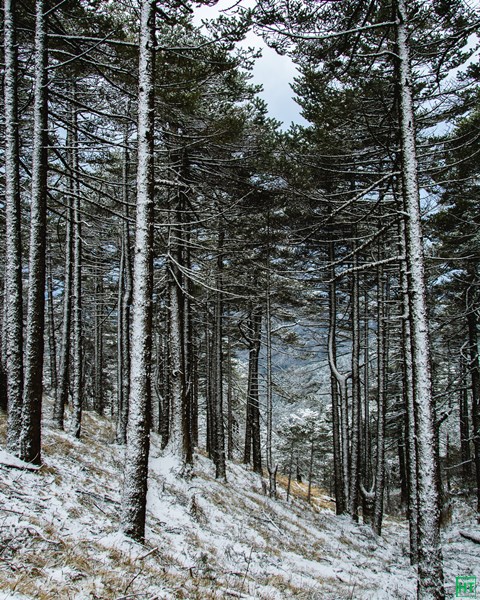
(35, 330)
(381, 407)
(220, 466)
(134, 497)
(13, 244)
(430, 570)
(337, 381)
(472, 322)
(77, 341)
(356, 397)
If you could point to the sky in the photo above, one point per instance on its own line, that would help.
(274, 72)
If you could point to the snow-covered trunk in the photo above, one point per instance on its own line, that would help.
(124, 300)
(252, 452)
(381, 406)
(33, 383)
(176, 445)
(77, 326)
(430, 570)
(134, 498)
(121, 424)
(475, 387)
(464, 425)
(229, 401)
(220, 467)
(366, 474)
(340, 497)
(409, 404)
(164, 400)
(191, 396)
(271, 467)
(254, 395)
(52, 342)
(13, 247)
(64, 371)
(209, 388)
(310, 469)
(356, 398)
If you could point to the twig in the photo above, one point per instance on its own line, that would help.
(248, 567)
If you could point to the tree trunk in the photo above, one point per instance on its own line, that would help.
(77, 326)
(356, 399)
(271, 468)
(13, 244)
(338, 388)
(52, 343)
(465, 451)
(475, 386)
(33, 385)
(230, 443)
(123, 308)
(220, 466)
(98, 394)
(64, 375)
(430, 570)
(252, 434)
(134, 497)
(381, 407)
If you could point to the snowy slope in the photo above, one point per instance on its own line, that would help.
(59, 535)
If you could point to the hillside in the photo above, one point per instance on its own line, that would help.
(59, 534)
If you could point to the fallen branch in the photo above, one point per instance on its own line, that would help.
(12, 462)
(473, 537)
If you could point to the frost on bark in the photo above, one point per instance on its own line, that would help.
(134, 498)
(64, 371)
(252, 451)
(77, 350)
(430, 570)
(33, 385)
(339, 399)
(381, 407)
(408, 396)
(354, 482)
(124, 307)
(220, 465)
(13, 252)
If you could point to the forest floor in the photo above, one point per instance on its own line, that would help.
(59, 534)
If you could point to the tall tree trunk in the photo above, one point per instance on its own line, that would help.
(337, 381)
(33, 385)
(464, 422)
(98, 394)
(52, 342)
(381, 407)
(177, 444)
(271, 467)
(230, 443)
(220, 465)
(134, 497)
(124, 307)
(409, 404)
(64, 374)
(430, 563)
(13, 244)
(356, 397)
(472, 322)
(77, 341)
(253, 442)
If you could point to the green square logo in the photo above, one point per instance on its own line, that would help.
(466, 586)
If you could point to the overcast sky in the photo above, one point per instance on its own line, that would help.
(275, 73)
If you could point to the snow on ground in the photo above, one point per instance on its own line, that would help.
(60, 539)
